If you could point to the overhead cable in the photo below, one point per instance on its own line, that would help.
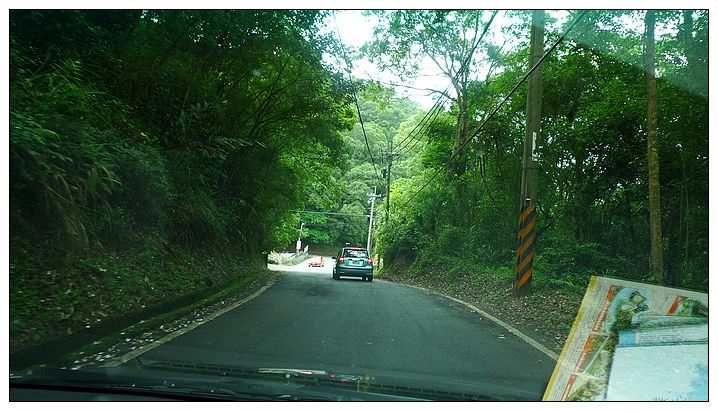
(439, 102)
(490, 116)
(356, 101)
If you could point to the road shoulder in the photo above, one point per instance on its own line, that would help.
(513, 330)
(545, 317)
(135, 340)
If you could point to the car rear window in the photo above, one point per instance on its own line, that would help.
(356, 253)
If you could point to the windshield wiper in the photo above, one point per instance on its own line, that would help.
(222, 392)
(357, 384)
(169, 387)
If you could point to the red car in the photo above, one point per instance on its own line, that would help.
(316, 262)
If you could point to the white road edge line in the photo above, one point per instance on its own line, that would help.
(135, 353)
(537, 345)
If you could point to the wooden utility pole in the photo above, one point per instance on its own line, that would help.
(389, 159)
(654, 188)
(371, 219)
(529, 173)
(388, 182)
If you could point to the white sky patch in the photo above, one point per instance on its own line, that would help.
(356, 29)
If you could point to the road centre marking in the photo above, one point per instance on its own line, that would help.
(169, 337)
(537, 345)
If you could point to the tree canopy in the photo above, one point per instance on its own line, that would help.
(167, 136)
(593, 211)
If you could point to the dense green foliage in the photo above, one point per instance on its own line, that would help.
(385, 116)
(593, 215)
(157, 152)
(142, 133)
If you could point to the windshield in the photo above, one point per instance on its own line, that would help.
(522, 195)
(356, 253)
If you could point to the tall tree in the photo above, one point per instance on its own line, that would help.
(654, 189)
(593, 157)
(448, 38)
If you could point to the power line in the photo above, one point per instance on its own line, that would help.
(416, 141)
(432, 114)
(478, 130)
(436, 106)
(330, 213)
(463, 67)
(334, 224)
(366, 140)
(356, 101)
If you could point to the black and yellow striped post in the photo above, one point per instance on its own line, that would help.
(525, 250)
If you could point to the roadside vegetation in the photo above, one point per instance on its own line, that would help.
(157, 153)
(592, 207)
(154, 154)
(458, 235)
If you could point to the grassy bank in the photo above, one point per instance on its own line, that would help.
(546, 315)
(98, 294)
(151, 329)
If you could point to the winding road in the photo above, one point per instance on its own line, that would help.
(308, 320)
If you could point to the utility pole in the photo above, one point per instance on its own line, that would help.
(529, 173)
(299, 239)
(389, 158)
(654, 187)
(371, 219)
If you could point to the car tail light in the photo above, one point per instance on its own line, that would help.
(369, 260)
(340, 259)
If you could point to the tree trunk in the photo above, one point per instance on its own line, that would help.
(654, 193)
(462, 130)
(688, 43)
(686, 34)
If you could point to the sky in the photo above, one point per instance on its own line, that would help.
(356, 29)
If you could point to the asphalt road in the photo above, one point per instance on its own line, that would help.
(308, 320)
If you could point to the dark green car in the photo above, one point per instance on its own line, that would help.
(353, 262)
